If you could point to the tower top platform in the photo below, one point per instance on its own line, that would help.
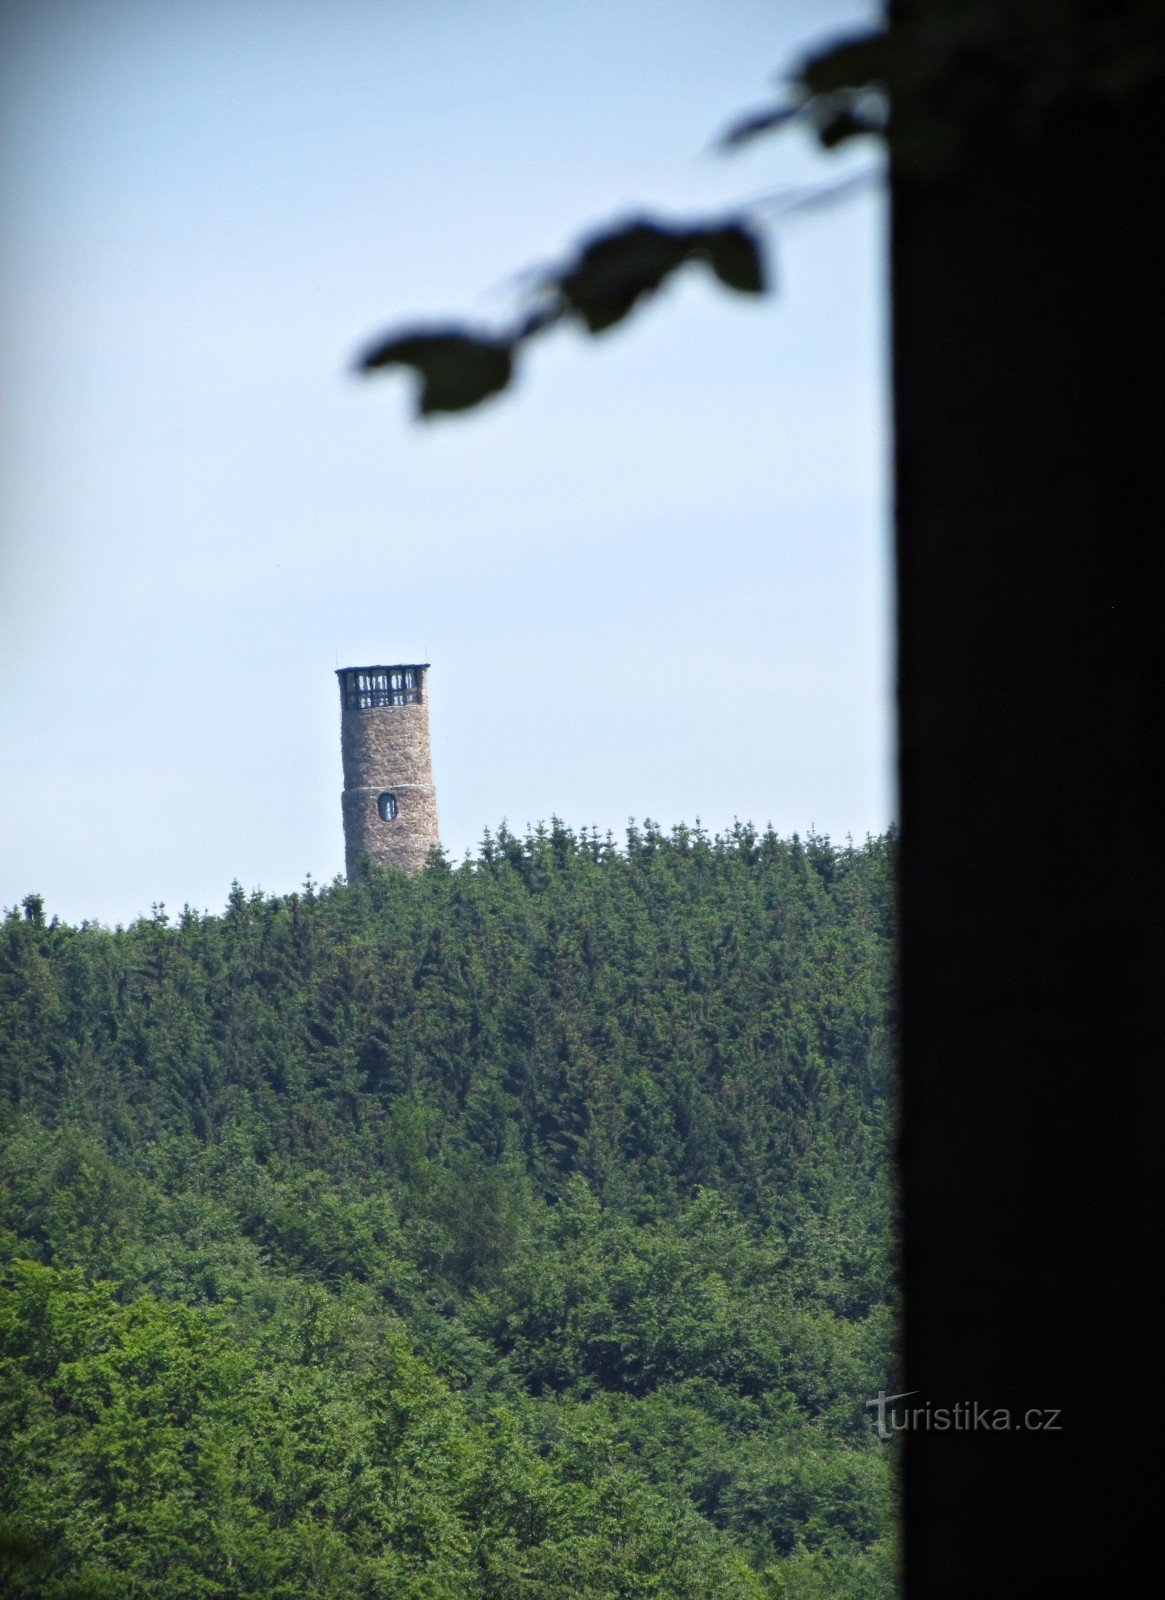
(362, 688)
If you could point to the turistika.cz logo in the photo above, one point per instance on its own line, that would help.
(965, 1416)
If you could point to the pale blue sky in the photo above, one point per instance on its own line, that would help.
(653, 581)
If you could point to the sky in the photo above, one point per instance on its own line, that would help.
(652, 581)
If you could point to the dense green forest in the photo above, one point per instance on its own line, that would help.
(524, 1228)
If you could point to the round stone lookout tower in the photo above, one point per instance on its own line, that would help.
(390, 805)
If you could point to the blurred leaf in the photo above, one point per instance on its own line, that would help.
(614, 270)
(734, 254)
(617, 269)
(755, 123)
(839, 120)
(457, 369)
(849, 64)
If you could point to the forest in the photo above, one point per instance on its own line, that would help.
(523, 1228)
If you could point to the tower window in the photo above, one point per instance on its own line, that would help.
(386, 805)
(398, 686)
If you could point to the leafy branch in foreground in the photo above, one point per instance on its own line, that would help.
(922, 83)
(611, 273)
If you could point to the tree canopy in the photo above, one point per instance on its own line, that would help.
(521, 1227)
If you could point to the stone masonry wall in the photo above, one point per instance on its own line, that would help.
(386, 748)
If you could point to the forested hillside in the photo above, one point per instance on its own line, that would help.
(521, 1229)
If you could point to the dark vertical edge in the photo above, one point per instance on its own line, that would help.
(1027, 288)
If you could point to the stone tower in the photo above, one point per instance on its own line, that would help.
(390, 805)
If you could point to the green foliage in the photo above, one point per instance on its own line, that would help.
(522, 1228)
